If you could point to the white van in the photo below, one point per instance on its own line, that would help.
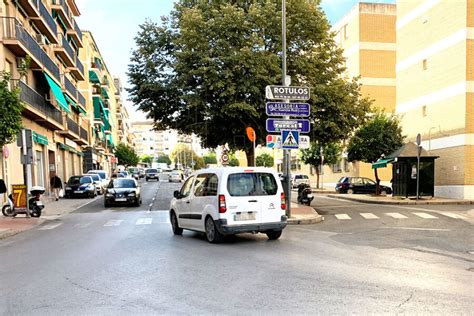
(230, 200)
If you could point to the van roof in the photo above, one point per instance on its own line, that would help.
(227, 170)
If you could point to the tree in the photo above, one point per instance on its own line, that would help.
(210, 159)
(312, 156)
(378, 137)
(233, 161)
(148, 159)
(183, 155)
(264, 160)
(204, 69)
(126, 155)
(11, 108)
(164, 159)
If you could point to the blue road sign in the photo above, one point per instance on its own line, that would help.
(290, 109)
(290, 139)
(277, 125)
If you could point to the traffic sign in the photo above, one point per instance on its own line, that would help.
(287, 93)
(304, 142)
(287, 109)
(290, 139)
(277, 125)
(274, 141)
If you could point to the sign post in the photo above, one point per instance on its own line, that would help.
(25, 140)
(418, 153)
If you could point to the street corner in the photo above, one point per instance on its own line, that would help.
(10, 226)
(304, 215)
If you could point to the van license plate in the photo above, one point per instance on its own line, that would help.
(244, 217)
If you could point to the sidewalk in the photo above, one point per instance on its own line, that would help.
(303, 215)
(372, 199)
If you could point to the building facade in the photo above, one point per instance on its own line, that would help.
(435, 87)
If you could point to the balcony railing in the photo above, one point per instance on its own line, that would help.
(37, 101)
(78, 30)
(72, 126)
(67, 47)
(79, 65)
(84, 134)
(81, 99)
(47, 17)
(70, 87)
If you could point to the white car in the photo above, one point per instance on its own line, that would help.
(230, 200)
(103, 176)
(99, 184)
(175, 176)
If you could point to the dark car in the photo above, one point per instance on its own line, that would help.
(352, 185)
(152, 173)
(82, 186)
(122, 191)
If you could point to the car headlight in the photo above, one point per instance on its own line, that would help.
(68, 189)
(109, 195)
(132, 194)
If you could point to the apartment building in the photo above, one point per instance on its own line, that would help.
(123, 118)
(435, 86)
(46, 33)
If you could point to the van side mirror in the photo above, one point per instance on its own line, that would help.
(176, 194)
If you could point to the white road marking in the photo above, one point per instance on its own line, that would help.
(50, 226)
(416, 228)
(453, 215)
(369, 216)
(425, 215)
(113, 222)
(396, 215)
(144, 221)
(150, 205)
(342, 216)
(83, 225)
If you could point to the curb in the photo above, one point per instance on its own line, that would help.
(305, 220)
(9, 233)
(458, 202)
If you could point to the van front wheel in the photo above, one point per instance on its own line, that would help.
(274, 234)
(212, 234)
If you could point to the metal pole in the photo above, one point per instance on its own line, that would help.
(254, 153)
(418, 175)
(27, 165)
(286, 152)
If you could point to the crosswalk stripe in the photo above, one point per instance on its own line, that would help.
(425, 215)
(113, 222)
(50, 226)
(453, 215)
(369, 216)
(83, 225)
(396, 215)
(144, 221)
(342, 216)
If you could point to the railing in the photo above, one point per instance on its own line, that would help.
(70, 87)
(79, 65)
(84, 134)
(48, 18)
(37, 101)
(78, 30)
(81, 99)
(72, 126)
(67, 47)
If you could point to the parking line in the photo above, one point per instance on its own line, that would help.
(144, 221)
(425, 215)
(113, 222)
(50, 226)
(342, 216)
(369, 216)
(396, 215)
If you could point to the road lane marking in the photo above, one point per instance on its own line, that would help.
(144, 221)
(50, 226)
(452, 215)
(396, 215)
(417, 228)
(425, 215)
(113, 222)
(342, 216)
(369, 216)
(83, 225)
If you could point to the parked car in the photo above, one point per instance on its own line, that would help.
(230, 200)
(125, 174)
(117, 175)
(352, 185)
(103, 176)
(141, 173)
(297, 179)
(176, 176)
(82, 186)
(99, 185)
(123, 191)
(152, 173)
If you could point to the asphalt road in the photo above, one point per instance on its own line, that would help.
(127, 261)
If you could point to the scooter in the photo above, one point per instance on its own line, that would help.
(304, 194)
(35, 204)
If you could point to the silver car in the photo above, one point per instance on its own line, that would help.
(175, 176)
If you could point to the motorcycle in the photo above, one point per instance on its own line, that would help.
(304, 194)
(34, 203)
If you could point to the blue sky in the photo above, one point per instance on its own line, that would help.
(114, 24)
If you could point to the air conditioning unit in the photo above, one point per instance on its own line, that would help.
(41, 39)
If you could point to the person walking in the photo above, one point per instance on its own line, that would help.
(56, 185)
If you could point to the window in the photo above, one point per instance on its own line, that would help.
(336, 168)
(186, 189)
(206, 185)
(425, 64)
(199, 185)
(251, 184)
(212, 183)
(423, 110)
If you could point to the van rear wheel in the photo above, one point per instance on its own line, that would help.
(274, 234)
(212, 234)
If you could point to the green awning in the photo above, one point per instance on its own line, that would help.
(381, 163)
(105, 94)
(58, 94)
(71, 102)
(82, 110)
(98, 108)
(69, 148)
(40, 139)
(93, 78)
(111, 140)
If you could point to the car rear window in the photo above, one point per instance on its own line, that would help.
(251, 184)
(151, 171)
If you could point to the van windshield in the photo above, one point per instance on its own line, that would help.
(251, 184)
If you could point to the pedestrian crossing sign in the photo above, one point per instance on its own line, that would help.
(290, 139)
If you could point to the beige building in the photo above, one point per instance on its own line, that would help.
(435, 86)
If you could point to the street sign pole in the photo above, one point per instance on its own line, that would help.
(27, 170)
(418, 153)
(286, 152)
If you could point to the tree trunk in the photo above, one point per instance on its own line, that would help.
(317, 176)
(377, 182)
(250, 157)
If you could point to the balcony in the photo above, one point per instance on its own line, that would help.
(31, 7)
(65, 51)
(70, 88)
(76, 34)
(45, 23)
(61, 8)
(78, 70)
(84, 135)
(18, 40)
(72, 126)
(39, 109)
(81, 99)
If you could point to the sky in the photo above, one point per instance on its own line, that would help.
(114, 24)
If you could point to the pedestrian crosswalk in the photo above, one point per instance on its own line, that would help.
(395, 215)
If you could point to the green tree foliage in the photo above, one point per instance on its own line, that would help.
(378, 137)
(204, 69)
(148, 159)
(10, 109)
(126, 155)
(312, 156)
(264, 160)
(183, 155)
(233, 161)
(164, 159)
(210, 159)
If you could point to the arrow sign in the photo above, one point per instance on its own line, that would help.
(277, 125)
(287, 109)
(287, 93)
